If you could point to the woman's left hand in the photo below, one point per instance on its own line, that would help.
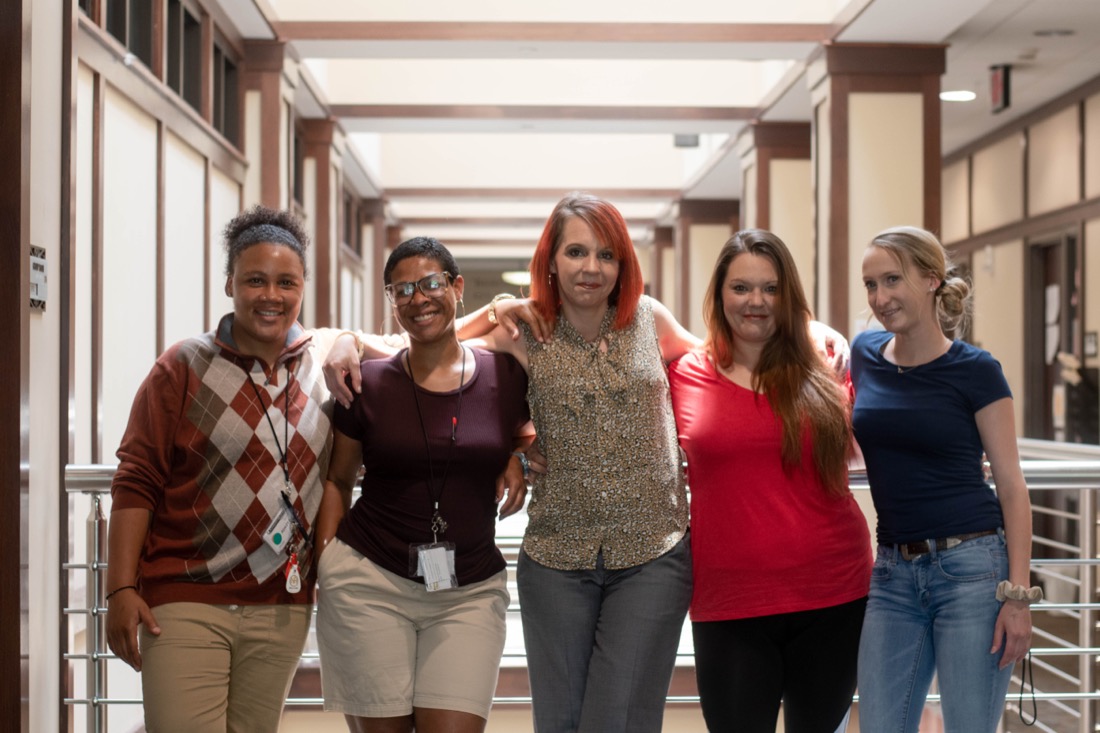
(511, 488)
(510, 312)
(1013, 632)
(343, 361)
(832, 346)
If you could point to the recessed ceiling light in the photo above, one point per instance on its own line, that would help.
(959, 95)
(1054, 32)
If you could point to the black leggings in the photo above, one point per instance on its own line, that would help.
(807, 659)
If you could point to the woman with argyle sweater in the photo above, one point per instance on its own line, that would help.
(218, 482)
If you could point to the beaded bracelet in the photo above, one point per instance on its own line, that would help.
(116, 590)
(1006, 590)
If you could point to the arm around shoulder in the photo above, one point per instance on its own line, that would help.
(673, 339)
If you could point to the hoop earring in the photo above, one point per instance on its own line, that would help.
(463, 306)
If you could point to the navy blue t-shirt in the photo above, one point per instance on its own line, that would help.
(920, 439)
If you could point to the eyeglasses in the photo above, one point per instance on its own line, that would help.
(431, 286)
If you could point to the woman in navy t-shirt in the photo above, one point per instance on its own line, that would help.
(949, 588)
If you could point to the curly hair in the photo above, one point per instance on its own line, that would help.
(260, 224)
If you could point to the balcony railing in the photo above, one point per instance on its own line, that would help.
(1063, 482)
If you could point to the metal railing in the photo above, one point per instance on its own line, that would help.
(1064, 564)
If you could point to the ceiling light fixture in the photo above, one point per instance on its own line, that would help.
(958, 95)
(519, 278)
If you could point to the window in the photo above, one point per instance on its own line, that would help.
(352, 234)
(184, 54)
(298, 185)
(131, 22)
(226, 108)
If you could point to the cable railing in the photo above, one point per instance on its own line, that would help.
(1063, 484)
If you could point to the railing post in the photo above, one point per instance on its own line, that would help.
(1088, 595)
(97, 636)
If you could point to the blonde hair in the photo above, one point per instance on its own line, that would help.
(921, 249)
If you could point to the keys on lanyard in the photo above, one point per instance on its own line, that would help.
(293, 577)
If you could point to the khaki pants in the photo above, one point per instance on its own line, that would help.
(218, 669)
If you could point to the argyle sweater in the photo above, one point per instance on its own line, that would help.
(200, 454)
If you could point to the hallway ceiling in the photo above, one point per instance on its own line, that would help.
(471, 119)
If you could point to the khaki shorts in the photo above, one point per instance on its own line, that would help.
(388, 646)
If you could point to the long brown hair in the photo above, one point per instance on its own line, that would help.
(802, 390)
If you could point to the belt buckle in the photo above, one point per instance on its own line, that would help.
(949, 542)
(907, 555)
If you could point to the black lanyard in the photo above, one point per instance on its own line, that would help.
(439, 526)
(284, 461)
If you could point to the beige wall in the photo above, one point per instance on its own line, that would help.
(1053, 163)
(955, 213)
(669, 281)
(791, 195)
(749, 200)
(824, 152)
(1092, 282)
(1092, 146)
(998, 188)
(706, 242)
(998, 277)
(885, 178)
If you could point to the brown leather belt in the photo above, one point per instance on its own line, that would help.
(910, 550)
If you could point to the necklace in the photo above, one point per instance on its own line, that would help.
(439, 525)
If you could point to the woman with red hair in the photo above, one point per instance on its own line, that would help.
(605, 572)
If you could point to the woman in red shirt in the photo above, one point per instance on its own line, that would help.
(781, 552)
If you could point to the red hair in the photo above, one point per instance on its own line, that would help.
(610, 229)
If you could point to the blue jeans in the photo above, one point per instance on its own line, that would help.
(601, 644)
(933, 614)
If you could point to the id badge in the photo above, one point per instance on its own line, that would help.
(435, 562)
(280, 532)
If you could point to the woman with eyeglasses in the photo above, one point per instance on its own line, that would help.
(412, 588)
(210, 539)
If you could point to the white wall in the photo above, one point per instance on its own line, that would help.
(82, 288)
(129, 277)
(43, 599)
(184, 240)
(225, 196)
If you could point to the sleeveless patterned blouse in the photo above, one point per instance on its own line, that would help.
(605, 424)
